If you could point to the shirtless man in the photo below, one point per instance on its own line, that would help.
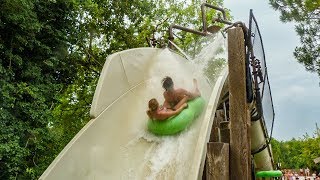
(174, 98)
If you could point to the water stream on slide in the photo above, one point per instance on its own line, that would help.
(169, 157)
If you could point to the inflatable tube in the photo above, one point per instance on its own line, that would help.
(262, 174)
(179, 122)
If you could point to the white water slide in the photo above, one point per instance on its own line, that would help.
(115, 144)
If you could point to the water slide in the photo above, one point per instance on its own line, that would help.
(115, 143)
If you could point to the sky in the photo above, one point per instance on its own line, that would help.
(295, 91)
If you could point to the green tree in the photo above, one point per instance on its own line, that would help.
(295, 154)
(51, 54)
(104, 27)
(306, 14)
(33, 68)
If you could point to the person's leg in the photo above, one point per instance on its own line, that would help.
(196, 88)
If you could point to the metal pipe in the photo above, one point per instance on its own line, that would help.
(204, 22)
(183, 29)
(222, 21)
(216, 8)
(235, 24)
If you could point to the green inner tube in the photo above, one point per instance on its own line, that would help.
(179, 122)
(261, 174)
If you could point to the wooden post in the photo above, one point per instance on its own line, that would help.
(225, 131)
(217, 166)
(215, 135)
(240, 142)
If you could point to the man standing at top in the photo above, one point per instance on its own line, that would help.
(174, 98)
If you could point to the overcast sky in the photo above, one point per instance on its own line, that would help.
(295, 91)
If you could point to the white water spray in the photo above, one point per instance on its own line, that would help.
(169, 157)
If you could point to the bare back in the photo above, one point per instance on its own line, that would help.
(176, 97)
(173, 97)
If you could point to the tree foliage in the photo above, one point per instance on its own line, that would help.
(51, 54)
(306, 14)
(33, 70)
(298, 153)
(104, 27)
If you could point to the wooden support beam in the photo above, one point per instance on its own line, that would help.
(215, 131)
(240, 143)
(217, 162)
(225, 132)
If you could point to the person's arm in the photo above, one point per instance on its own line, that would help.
(166, 114)
(181, 102)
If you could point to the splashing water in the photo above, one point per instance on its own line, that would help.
(215, 49)
(116, 144)
(169, 156)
